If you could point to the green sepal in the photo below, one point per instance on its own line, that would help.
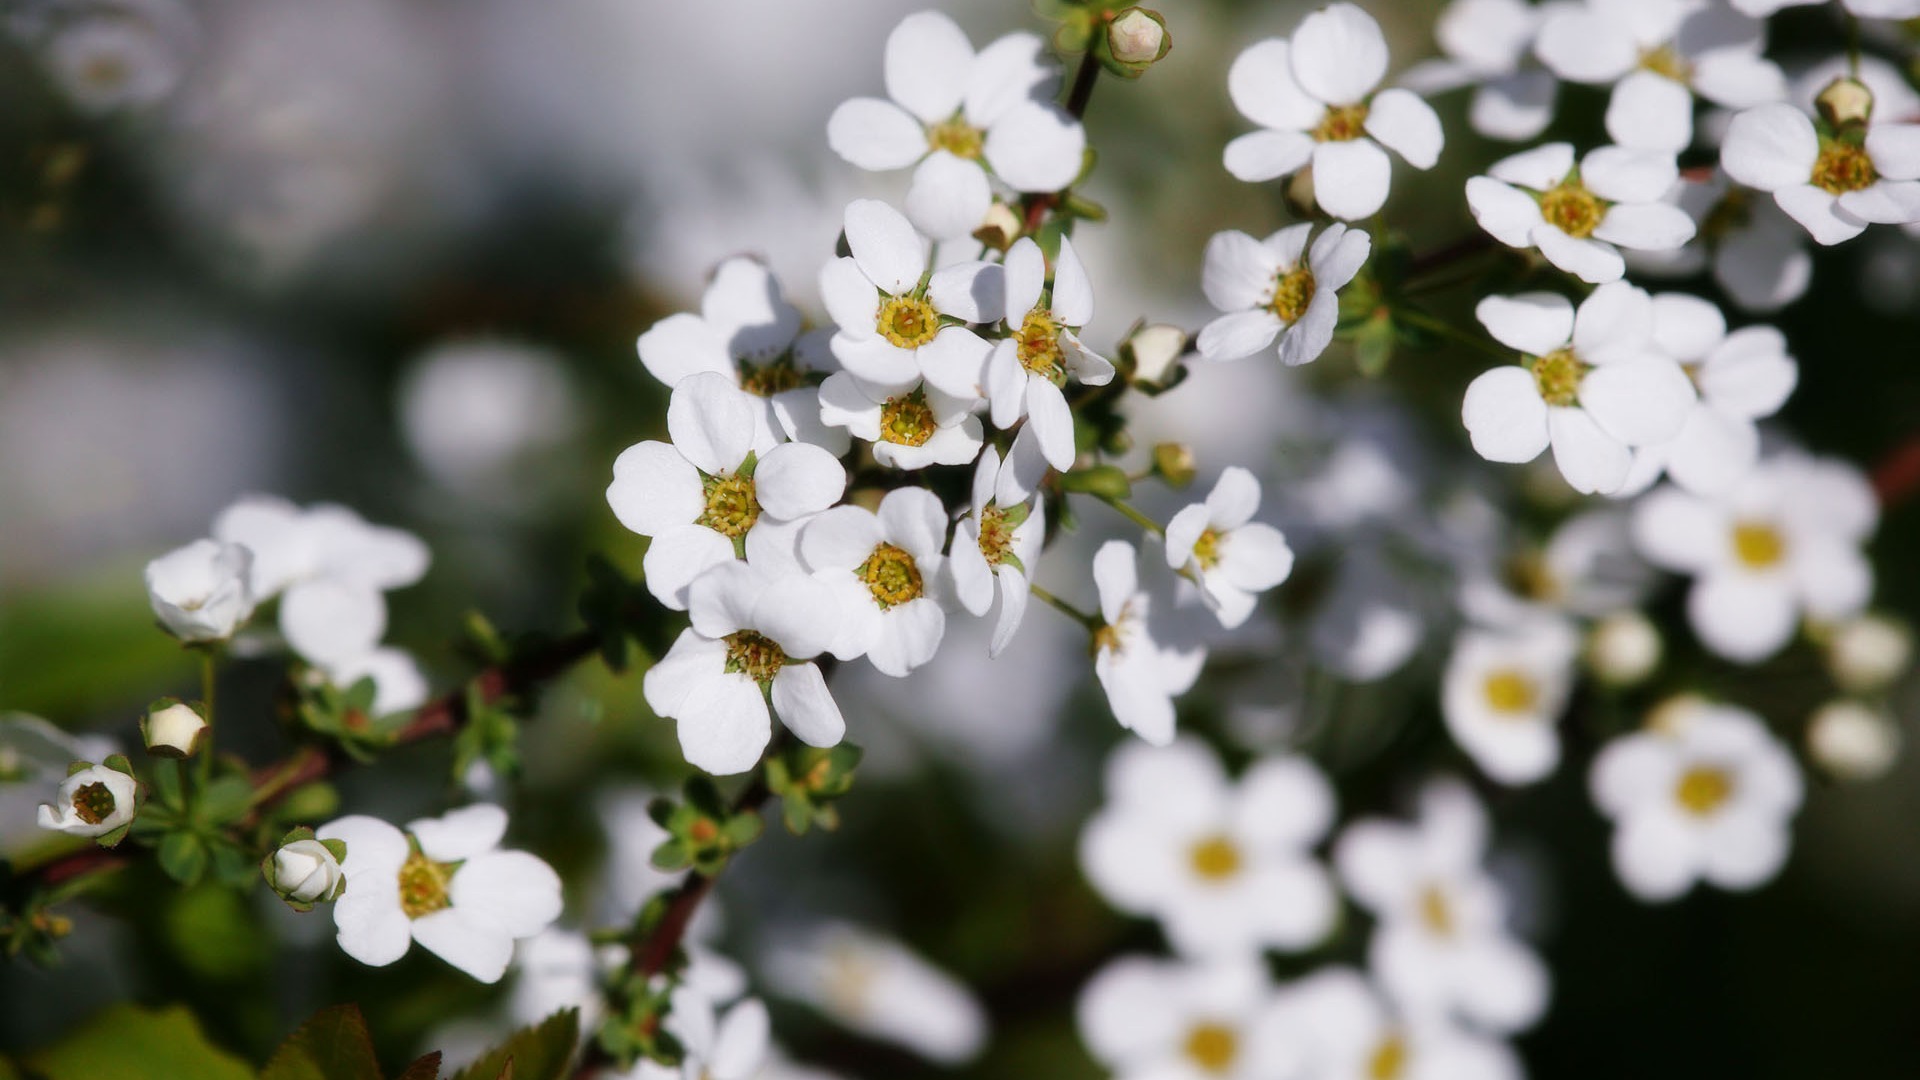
(184, 856)
(1104, 481)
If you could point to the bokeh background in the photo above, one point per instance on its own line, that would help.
(395, 253)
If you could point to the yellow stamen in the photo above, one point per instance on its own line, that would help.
(1558, 376)
(1213, 1047)
(1703, 790)
(1215, 858)
(891, 575)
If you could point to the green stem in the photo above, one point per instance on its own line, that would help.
(208, 682)
(1091, 622)
(1448, 330)
(1853, 45)
(1134, 515)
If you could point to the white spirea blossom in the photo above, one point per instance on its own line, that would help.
(733, 1045)
(993, 544)
(1347, 1029)
(1278, 288)
(1147, 1019)
(747, 657)
(1315, 100)
(1502, 696)
(444, 883)
(1141, 676)
(1853, 741)
(92, 802)
(1783, 543)
(200, 592)
(1657, 54)
(1590, 385)
(958, 116)
(878, 987)
(909, 429)
(1866, 654)
(1834, 185)
(1707, 795)
(1234, 557)
(1487, 45)
(1225, 867)
(1580, 216)
(1624, 648)
(306, 871)
(699, 499)
(1442, 944)
(889, 568)
(1757, 253)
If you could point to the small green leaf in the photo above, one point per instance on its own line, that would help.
(225, 800)
(127, 1042)
(543, 1052)
(671, 855)
(332, 1045)
(183, 856)
(1106, 481)
(424, 1067)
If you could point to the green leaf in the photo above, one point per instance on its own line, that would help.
(1373, 345)
(543, 1052)
(224, 800)
(332, 1045)
(127, 1042)
(183, 856)
(424, 1067)
(1106, 481)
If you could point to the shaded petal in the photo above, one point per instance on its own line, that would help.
(679, 555)
(927, 60)
(1052, 422)
(1350, 179)
(1770, 147)
(1402, 122)
(1262, 87)
(796, 479)
(840, 538)
(949, 197)
(872, 134)
(724, 725)
(885, 246)
(1339, 54)
(1740, 617)
(1238, 271)
(805, 705)
(1638, 402)
(1539, 168)
(1820, 212)
(1507, 213)
(1591, 261)
(974, 291)
(331, 622)
(681, 345)
(1072, 291)
(1259, 156)
(512, 892)
(463, 941)
(712, 423)
(1650, 112)
(1036, 147)
(1242, 333)
(1590, 459)
(1505, 415)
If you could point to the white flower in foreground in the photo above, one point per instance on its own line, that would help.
(1708, 796)
(1165, 1020)
(955, 111)
(993, 545)
(1580, 216)
(306, 872)
(444, 883)
(1487, 45)
(879, 988)
(1227, 868)
(93, 801)
(891, 333)
(909, 429)
(1741, 377)
(729, 1046)
(1853, 741)
(1834, 184)
(1350, 1032)
(1278, 288)
(1589, 384)
(1029, 368)
(750, 649)
(1783, 542)
(1140, 676)
(698, 496)
(1314, 97)
(199, 592)
(1442, 944)
(1234, 557)
(890, 568)
(748, 332)
(1866, 9)
(1503, 694)
(1658, 54)
(1757, 253)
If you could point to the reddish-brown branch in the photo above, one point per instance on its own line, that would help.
(1897, 476)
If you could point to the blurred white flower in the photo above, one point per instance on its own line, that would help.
(398, 683)
(1165, 1020)
(128, 55)
(1488, 45)
(719, 1046)
(1758, 254)
(1866, 9)
(1503, 694)
(1853, 741)
(1234, 557)
(478, 416)
(1624, 648)
(1348, 1030)
(879, 988)
(1868, 653)
(1278, 288)
(1579, 216)
(200, 592)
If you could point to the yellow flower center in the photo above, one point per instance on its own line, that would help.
(956, 137)
(1842, 167)
(1342, 123)
(908, 420)
(754, 655)
(1213, 1047)
(1758, 545)
(891, 575)
(996, 536)
(731, 506)
(1558, 376)
(1206, 550)
(423, 885)
(1215, 858)
(1667, 61)
(94, 803)
(1436, 911)
(1510, 692)
(907, 322)
(1703, 790)
(774, 377)
(1038, 345)
(1572, 209)
(1389, 1060)
(1292, 292)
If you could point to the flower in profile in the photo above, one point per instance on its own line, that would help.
(1225, 867)
(1141, 676)
(199, 592)
(958, 116)
(878, 987)
(444, 883)
(1487, 45)
(992, 545)
(1503, 693)
(1278, 288)
(1147, 1019)
(93, 801)
(1757, 253)
(1580, 216)
(1833, 182)
(890, 567)
(1233, 557)
(1707, 794)
(1314, 98)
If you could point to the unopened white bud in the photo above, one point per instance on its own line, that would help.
(1623, 648)
(1845, 101)
(1853, 741)
(1000, 228)
(1867, 653)
(1156, 350)
(173, 730)
(306, 871)
(1137, 36)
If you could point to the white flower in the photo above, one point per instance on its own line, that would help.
(889, 565)
(1579, 217)
(1226, 868)
(1590, 384)
(698, 498)
(1657, 54)
(891, 335)
(1834, 185)
(732, 1046)
(879, 988)
(398, 683)
(1027, 370)
(1442, 944)
(955, 111)
(1314, 97)
(909, 429)
(306, 871)
(752, 643)
(173, 730)
(1140, 675)
(1587, 568)
(92, 802)
(444, 883)
(1853, 741)
(1265, 289)
(994, 543)
(1234, 557)
(1349, 1032)
(199, 592)
(1741, 377)
(1867, 653)
(1503, 694)
(1624, 648)
(1758, 254)
(1163, 1020)
(1487, 45)
(748, 332)
(111, 60)
(1706, 797)
(1783, 542)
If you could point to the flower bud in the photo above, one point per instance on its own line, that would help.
(172, 729)
(1845, 101)
(200, 592)
(1867, 653)
(1000, 228)
(1852, 741)
(1138, 36)
(1623, 648)
(1173, 462)
(304, 870)
(94, 800)
(1155, 351)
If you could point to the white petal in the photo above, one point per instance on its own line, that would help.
(1136, 697)
(852, 302)
(796, 479)
(1514, 108)
(1895, 150)
(1650, 112)
(1613, 324)
(373, 930)
(1350, 179)
(840, 538)
(1234, 500)
(1654, 858)
(1505, 415)
(1770, 147)
(724, 725)
(460, 940)
(1052, 422)
(742, 1046)
(927, 59)
(1243, 333)
(654, 489)
(949, 197)
(681, 345)
(1581, 45)
(1687, 328)
(1678, 531)
(1407, 125)
(721, 601)
(805, 705)
(1624, 175)
(1262, 87)
(1638, 402)
(800, 614)
(1284, 802)
(674, 676)
(972, 577)
(712, 423)
(1737, 79)
(1072, 292)
(1762, 270)
(1338, 254)
(1590, 459)
(1741, 618)
(1036, 147)
(1820, 213)
(881, 365)
(1116, 577)
(1339, 54)
(955, 362)
(885, 246)
(1256, 557)
(915, 519)
(1751, 374)
(1886, 202)
(1713, 451)
(1745, 853)
(1238, 272)
(872, 134)
(1539, 168)
(1304, 341)
(974, 291)
(1014, 593)
(1507, 213)
(910, 635)
(1589, 260)
(331, 622)
(460, 834)
(1535, 323)
(1259, 156)
(677, 556)
(374, 847)
(511, 892)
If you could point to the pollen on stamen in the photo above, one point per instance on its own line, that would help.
(423, 885)
(1293, 290)
(94, 803)
(956, 137)
(754, 655)
(1038, 345)
(732, 507)
(907, 420)
(1342, 123)
(907, 322)
(1558, 376)
(1572, 209)
(891, 575)
(1843, 167)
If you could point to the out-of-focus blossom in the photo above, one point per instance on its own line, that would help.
(1347, 1029)
(480, 416)
(719, 1046)
(1488, 44)
(1868, 653)
(879, 988)
(125, 56)
(1503, 694)
(1164, 1020)
(1140, 675)
(1853, 741)
(200, 592)
(1757, 253)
